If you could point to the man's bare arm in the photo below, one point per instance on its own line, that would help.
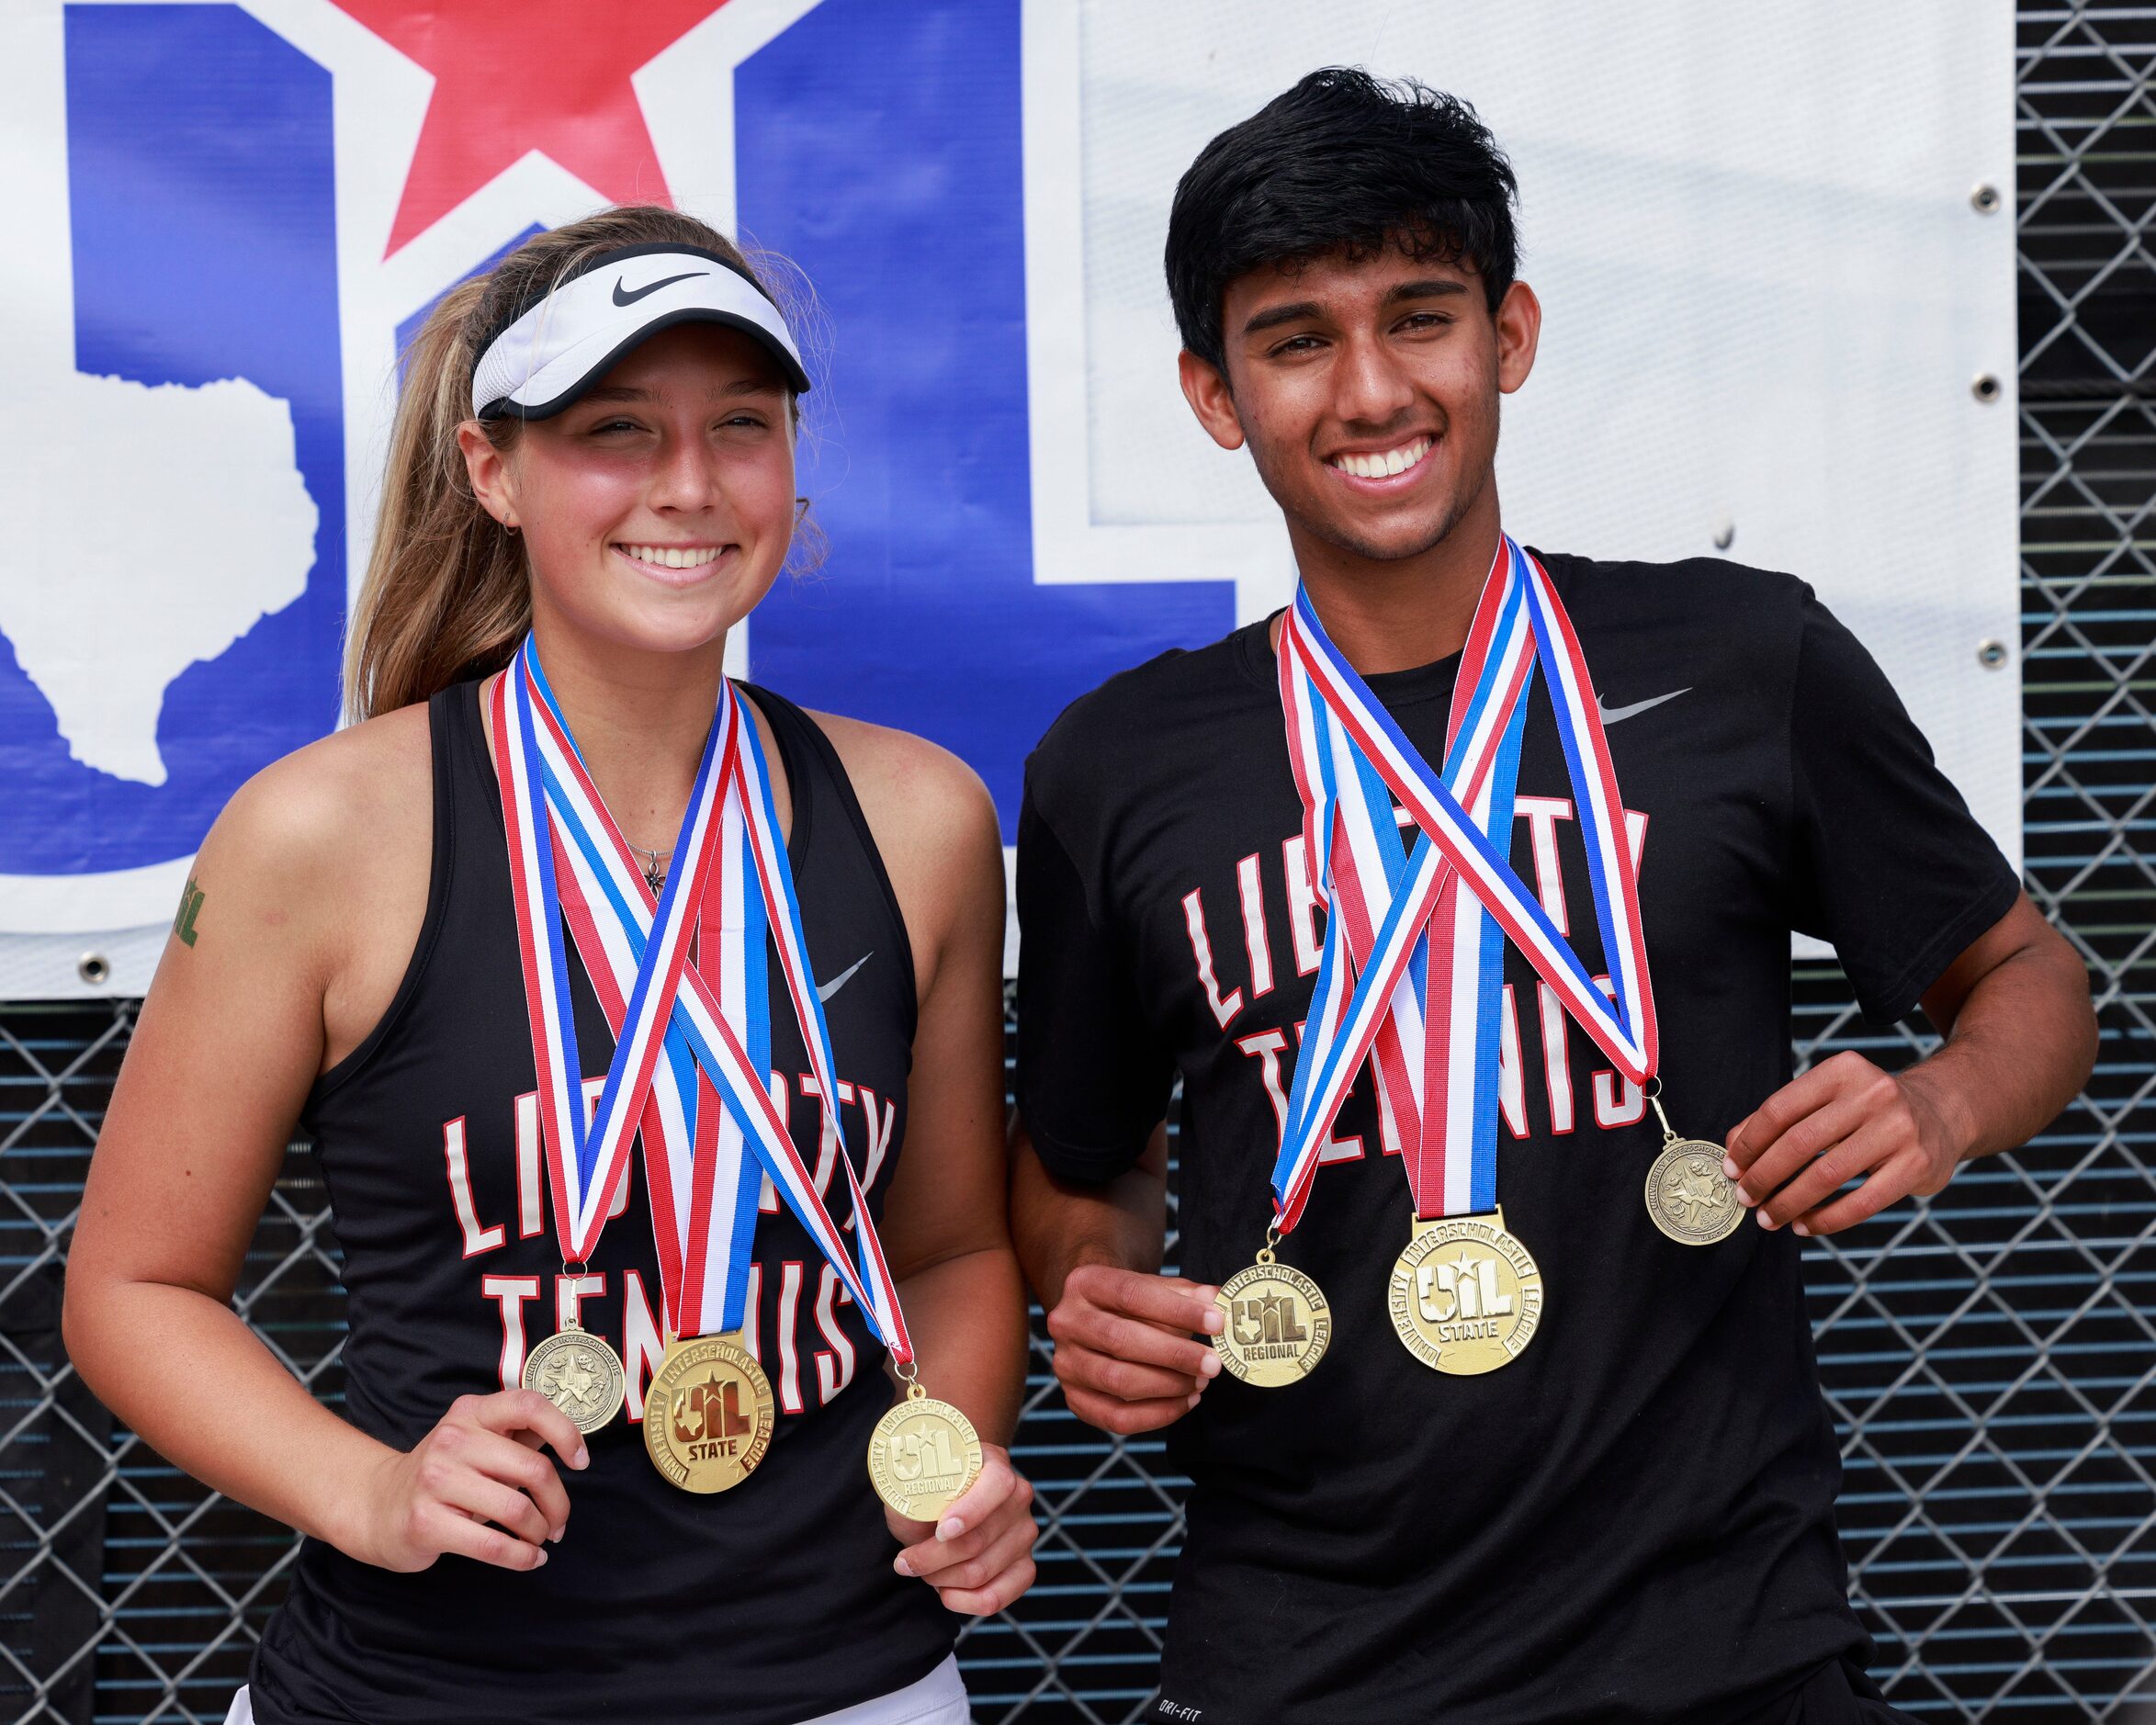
(1125, 1349)
(2020, 1041)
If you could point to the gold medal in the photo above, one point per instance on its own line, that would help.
(709, 1414)
(1466, 1295)
(1277, 1322)
(1689, 1197)
(581, 1374)
(923, 1455)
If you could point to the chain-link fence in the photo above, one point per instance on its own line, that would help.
(1990, 1357)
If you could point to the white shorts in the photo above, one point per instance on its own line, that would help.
(938, 1698)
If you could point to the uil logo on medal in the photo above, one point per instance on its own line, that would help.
(1277, 1324)
(709, 1415)
(923, 1455)
(1466, 1296)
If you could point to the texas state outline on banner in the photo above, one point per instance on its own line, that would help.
(261, 201)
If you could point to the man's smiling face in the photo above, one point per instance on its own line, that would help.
(1367, 389)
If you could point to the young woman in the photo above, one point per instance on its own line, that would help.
(614, 1364)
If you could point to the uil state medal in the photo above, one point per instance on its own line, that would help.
(581, 1374)
(923, 1455)
(709, 1415)
(1466, 1295)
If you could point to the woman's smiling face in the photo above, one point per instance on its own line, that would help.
(656, 511)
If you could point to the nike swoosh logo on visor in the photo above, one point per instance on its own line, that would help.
(1611, 714)
(621, 298)
(825, 990)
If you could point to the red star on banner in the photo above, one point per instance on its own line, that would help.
(516, 76)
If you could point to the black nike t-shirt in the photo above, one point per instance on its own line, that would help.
(1634, 1519)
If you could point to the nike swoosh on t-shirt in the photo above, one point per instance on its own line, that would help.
(1611, 714)
(825, 990)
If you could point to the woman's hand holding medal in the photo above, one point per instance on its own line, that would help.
(476, 1487)
(978, 1557)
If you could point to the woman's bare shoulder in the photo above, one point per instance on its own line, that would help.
(333, 805)
(916, 794)
(319, 868)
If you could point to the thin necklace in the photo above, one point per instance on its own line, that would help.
(655, 863)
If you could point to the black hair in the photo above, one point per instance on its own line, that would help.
(1342, 163)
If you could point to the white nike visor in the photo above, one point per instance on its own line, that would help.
(560, 345)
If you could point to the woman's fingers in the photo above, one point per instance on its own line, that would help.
(980, 1525)
(449, 1532)
(476, 1467)
(529, 1473)
(508, 1508)
(509, 1410)
(999, 1481)
(986, 1585)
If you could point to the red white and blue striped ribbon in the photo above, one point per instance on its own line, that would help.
(1423, 938)
(703, 1185)
(587, 1161)
(702, 1176)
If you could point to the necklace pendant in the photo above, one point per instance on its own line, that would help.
(923, 1455)
(709, 1415)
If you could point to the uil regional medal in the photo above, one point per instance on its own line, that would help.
(1277, 1324)
(709, 1415)
(923, 1456)
(1411, 971)
(692, 1049)
(1690, 1196)
(1466, 1295)
(581, 1374)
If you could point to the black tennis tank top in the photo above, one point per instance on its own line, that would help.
(765, 1605)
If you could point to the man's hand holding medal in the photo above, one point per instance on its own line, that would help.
(1124, 1350)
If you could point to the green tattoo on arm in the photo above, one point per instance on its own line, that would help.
(183, 924)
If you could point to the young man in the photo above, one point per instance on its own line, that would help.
(1522, 1426)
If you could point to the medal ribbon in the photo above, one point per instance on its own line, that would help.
(1412, 964)
(703, 1181)
(703, 1187)
(586, 1162)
